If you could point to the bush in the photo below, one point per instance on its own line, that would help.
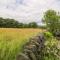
(51, 50)
(48, 35)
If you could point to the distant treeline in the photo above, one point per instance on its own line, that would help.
(11, 23)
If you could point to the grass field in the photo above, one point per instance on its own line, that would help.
(12, 41)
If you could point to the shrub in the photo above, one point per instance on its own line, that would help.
(51, 50)
(48, 35)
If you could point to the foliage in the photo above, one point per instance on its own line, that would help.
(40, 49)
(32, 25)
(11, 23)
(8, 23)
(52, 20)
(51, 50)
(48, 35)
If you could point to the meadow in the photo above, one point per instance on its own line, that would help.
(13, 40)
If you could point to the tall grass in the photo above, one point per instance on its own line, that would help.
(12, 41)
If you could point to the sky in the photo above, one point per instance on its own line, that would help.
(27, 10)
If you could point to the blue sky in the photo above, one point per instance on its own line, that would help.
(27, 10)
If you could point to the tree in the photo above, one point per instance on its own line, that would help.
(52, 20)
(33, 25)
(11, 23)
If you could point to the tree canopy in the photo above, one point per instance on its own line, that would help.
(52, 20)
(11, 23)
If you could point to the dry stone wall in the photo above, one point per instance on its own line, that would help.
(33, 50)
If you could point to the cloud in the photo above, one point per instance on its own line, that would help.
(27, 10)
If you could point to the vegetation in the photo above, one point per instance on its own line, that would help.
(52, 20)
(47, 47)
(51, 50)
(13, 40)
(41, 47)
(11, 23)
(33, 50)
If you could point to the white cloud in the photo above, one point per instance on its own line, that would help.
(26, 10)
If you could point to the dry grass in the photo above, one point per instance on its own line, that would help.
(12, 41)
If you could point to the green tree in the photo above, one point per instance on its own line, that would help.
(11, 23)
(33, 25)
(52, 20)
